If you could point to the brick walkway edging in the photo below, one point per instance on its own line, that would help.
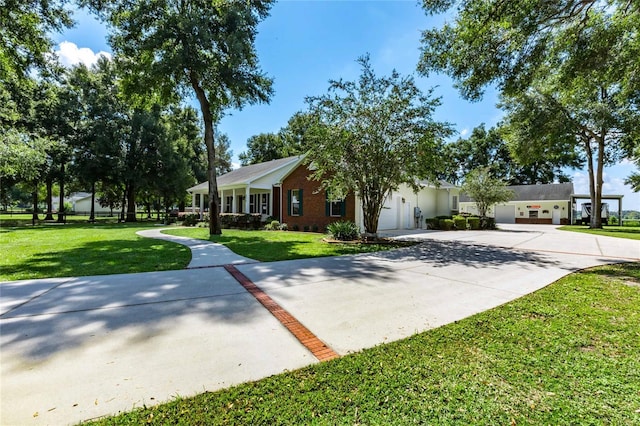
(316, 346)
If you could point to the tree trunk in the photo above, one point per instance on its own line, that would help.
(49, 215)
(592, 188)
(61, 211)
(34, 216)
(215, 227)
(92, 215)
(131, 202)
(124, 204)
(599, 172)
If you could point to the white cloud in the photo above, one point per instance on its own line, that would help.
(612, 185)
(70, 54)
(464, 132)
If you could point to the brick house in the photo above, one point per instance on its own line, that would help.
(281, 189)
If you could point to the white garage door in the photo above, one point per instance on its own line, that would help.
(390, 214)
(505, 214)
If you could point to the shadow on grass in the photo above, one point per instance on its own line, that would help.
(102, 258)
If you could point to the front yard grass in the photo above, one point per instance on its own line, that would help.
(84, 249)
(629, 232)
(567, 354)
(269, 246)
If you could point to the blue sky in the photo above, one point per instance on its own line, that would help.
(304, 44)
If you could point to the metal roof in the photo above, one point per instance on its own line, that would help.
(540, 192)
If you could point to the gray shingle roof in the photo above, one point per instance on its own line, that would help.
(246, 174)
(543, 192)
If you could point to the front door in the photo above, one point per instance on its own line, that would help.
(555, 219)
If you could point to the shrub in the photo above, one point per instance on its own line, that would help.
(631, 223)
(190, 219)
(240, 220)
(314, 228)
(460, 223)
(432, 223)
(305, 228)
(295, 227)
(487, 223)
(344, 230)
(274, 225)
(284, 227)
(474, 223)
(446, 224)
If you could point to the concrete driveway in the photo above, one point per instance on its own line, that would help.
(78, 348)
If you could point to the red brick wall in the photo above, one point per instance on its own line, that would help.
(313, 204)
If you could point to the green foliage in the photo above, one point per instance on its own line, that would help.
(474, 223)
(293, 139)
(165, 57)
(432, 223)
(485, 190)
(344, 230)
(241, 220)
(445, 224)
(190, 219)
(488, 148)
(460, 223)
(373, 135)
(566, 72)
(25, 26)
(274, 225)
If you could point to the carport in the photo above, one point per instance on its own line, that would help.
(575, 197)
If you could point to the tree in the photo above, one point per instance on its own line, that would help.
(169, 47)
(261, 148)
(576, 61)
(486, 191)
(101, 121)
(373, 135)
(24, 28)
(293, 139)
(488, 148)
(223, 153)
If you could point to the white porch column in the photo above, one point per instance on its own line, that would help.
(193, 202)
(201, 206)
(246, 199)
(234, 202)
(221, 201)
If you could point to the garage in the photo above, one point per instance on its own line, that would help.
(390, 214)
(505, 214)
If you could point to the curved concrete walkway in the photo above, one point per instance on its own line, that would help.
(204, 254)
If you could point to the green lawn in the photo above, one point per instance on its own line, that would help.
(567, 354)
(269, 246)
(84, 249)
(630, 232)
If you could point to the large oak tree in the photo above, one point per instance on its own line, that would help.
(575, 61)
(201, 47)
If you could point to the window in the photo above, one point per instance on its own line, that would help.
(228, 204)
(264, 203)
(295, 202)
(253, 198)
(454, 202)
(240, 205)
(533, 214)
(335, 208)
